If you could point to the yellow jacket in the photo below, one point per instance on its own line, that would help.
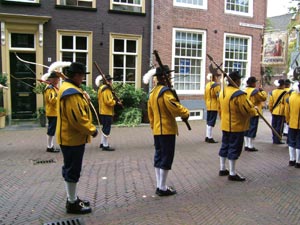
(106, 101)
(211, 96)
(50, 98)
(257, 97)
(74, 117)
(236, 110)
(292, 111)
(276, 102)
(163, 108)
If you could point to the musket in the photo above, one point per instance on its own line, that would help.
(107, 83)
(155, 52)
(233, 83)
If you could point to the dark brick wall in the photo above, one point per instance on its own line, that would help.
(100, 21)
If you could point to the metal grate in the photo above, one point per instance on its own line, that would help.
(43, 161)
(74, 221)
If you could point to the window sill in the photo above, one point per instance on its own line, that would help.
(4, 2)
(126, 12)
(68, 7)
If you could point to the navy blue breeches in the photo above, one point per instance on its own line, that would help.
(294, 138)
(73, 156)
(277, 124)
(211, 118)
(232, 145)
(251, 133)
(51, 125)
(164, 151)
(106, 122)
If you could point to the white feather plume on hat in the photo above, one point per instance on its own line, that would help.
(276, 83)
(45, 76)
(97, 80)
(147, 76)
(296, 87)
(59, 64)
(209, 76)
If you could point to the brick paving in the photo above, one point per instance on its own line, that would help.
(120, 185)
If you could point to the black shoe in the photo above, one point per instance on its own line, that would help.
(168, 192)
(223, 173)
(246, 148)
(101, 146)
(78, 207)
(251, 149)
(236, 178)
(85, 202)
(206, 139)
(211, 141)
(292, 163)
(297, 165)
(156, 191)
(54, 150)
(107, 148)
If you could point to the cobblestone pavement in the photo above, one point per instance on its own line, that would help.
(120, 185)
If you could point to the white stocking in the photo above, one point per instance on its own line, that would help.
(246, 141)
(292, 153)
(222, 163)
(157, 174)
(163, 179)
(50, 141)
(232, 167)
(297, 155)
(71, 191)
(208, 131)
(250, 142)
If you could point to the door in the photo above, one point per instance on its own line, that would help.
(22, 80)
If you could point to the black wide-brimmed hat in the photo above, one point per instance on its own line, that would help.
(235, 75)
(53, 75)
(251, 80)
(165, 70)
(108, 77)
(77, 67)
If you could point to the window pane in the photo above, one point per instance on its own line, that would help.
(130, 61)
(22, 40)
(130, 75)
(131, 46)
(81, 57)
(81, 43)
(118, 75)
(118, 45)
(67, 42)
(118, 61)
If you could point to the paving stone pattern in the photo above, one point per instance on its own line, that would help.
(120, 185)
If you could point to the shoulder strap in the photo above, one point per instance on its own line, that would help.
(237, 93)
(163, 90)
(279, 99)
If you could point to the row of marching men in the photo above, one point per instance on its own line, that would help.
(235, 107)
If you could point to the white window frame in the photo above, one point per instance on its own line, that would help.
(58, 2)
(141, 5)
(137, 55)
(26, 1)
(249, 51)
(20, 48)
(187, 5)
(203, 60)
(88, 51)
(249, 14)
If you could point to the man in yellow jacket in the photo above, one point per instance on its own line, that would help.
(211, 96)
(236, 111)
(257, 96)
(74, 129)
(106, 103)
(163, 108)
(292, 115)
(276, 107)
(50, 99)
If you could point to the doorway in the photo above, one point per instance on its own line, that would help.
(23, 99)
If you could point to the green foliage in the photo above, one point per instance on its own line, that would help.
(94, 100)
(3, 79)
(134, 102)
(41, 111)
(130, 117)
(39, 88)
(268, 75)
(2, 111)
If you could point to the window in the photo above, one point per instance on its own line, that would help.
(200, 4)
(78, 3)
(30, 1)
(76, 48)
(22, 41)
(126, 58)
(137, 6)
(237, 54)
(240, 7)
(189, 61)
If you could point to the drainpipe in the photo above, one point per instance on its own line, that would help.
(151, 40)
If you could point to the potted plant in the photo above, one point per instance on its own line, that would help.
(2, 117)
(42, 116)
